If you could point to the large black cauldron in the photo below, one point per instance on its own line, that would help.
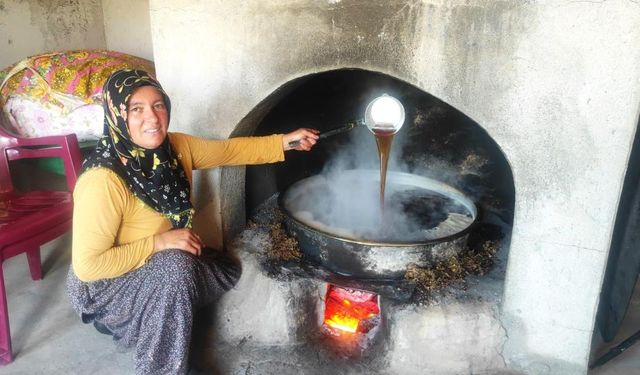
(430, 222)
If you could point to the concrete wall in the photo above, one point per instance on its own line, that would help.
(31, 27)
(556, 84)
(126, 27)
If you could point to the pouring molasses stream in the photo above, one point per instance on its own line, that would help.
(384, 117)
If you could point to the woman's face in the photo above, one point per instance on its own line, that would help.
(147, 117)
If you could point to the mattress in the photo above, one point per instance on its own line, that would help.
(61, 92)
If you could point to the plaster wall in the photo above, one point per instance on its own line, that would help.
(556, 84)
(32, 27)
(127, 28)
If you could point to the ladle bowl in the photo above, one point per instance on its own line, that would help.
(384, 114)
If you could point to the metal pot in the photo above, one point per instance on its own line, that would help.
(367, 259)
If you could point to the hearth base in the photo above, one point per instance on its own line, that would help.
(271, 323)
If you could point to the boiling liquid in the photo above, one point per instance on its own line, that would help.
(384, 137)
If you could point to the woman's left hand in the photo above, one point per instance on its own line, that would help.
(302, 139)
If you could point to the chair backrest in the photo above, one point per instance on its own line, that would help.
(6, 185)
(15, 148)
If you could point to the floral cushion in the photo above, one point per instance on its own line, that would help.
(60, 93)
(29, 118)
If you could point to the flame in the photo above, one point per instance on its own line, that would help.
(343, 323)
(346, 308)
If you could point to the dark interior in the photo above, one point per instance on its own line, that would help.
(623, 263)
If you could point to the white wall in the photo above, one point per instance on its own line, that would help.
(556, 84)
(126, 27)
(32, 27)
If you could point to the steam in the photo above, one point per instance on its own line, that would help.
(344, 200)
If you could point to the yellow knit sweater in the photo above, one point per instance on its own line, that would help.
(113, 231)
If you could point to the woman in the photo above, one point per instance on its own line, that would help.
(139, 272)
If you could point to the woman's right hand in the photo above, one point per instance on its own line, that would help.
(301, 139)
(183, 239)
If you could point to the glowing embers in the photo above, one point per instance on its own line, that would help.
(349, 311)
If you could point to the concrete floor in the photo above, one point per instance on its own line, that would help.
(48, 337)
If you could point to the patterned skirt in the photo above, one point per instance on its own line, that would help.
(151, 308)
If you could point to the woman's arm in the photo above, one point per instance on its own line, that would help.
(100, 198)
(205, 153)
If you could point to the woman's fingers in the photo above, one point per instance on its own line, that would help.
(309, 133)
(309, 138)
(192, 242)
(198, 238)
(183, 239)
(301, 139)
(191, 246)
(306, 144)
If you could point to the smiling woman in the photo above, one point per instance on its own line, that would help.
(139, 271)
(147, 117)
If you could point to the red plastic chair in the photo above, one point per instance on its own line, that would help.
(31, 219)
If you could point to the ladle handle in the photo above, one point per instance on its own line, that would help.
(335, 131)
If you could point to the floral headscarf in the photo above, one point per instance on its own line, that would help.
(153, 175)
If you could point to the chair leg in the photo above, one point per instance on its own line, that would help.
(35, 267)
(5, 333)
